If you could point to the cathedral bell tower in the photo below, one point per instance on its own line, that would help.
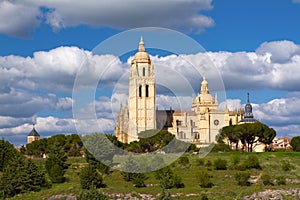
(142, 113)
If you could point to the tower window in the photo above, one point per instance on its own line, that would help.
(144, 71)
(140, 91)
(147, 90)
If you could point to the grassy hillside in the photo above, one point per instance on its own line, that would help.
(225, 185)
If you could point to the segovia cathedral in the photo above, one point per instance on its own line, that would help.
(199, 126)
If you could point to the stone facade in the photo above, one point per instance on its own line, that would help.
(200, 125)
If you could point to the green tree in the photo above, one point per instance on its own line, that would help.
(56, 164)
(90, 178)
(21, 175)
(7, 153)
(99, 151)
(295, 143)
(204, 180)
(130, 169)
(168, 179)
(139, 180)
(249, 134)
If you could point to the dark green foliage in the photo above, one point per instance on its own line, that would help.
(266, 179)
(184, 161)
(236, 159)
(204, 179)
(281, 180)
(252, 162)
(203, 197)
(139, 180)
(99, 149)
(164, 195)
(130, 169)
(287, 166)
(201, 162)
(168, 179)
(89, 178)
(208, 165)
(295, 143)
(71, 144)
(242, 178)
(221, 147)
(7, 152)
(56, 165)
(248, 134)
(220, 164)
(92, 194)
(21, 175)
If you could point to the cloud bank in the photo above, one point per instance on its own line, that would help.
(25, 15)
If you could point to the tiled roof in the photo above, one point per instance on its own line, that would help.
(33, 133)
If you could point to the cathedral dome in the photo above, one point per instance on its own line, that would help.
(141, 55)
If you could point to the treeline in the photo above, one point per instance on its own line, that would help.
(248, 134)
(70, 144)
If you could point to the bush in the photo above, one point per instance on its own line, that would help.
(184, 161)
(252, 162)
(168, 179)
(242, 178)
(220, 164)
(139, 180)
(89, 178)
(164, 195)
(221, 147)
(266, 179)
(204, 180)
(236, 159)
(281, 180)
(287, 166)
(208, 163)
(203, 197)
(201, 162)
(92, 195)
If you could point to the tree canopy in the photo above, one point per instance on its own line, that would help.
(249, 134)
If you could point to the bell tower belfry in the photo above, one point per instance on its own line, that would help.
(142, 113)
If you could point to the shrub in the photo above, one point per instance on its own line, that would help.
(221, 147)
(208, 164)
(184, 161)
(220, 164)
(92, 195)
(266, 179)
(281, 180)
(242, 178)
(164, 195)
(139, 180)
(236, 159)
(287, 166)
(204, 180)
(201, 162)
(89, 178)
(252, 162)
(203, 197)
(168, 179)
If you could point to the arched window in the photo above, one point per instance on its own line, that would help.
(144, 71)
(147, 90)
(140, 91)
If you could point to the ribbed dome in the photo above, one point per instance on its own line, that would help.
(142, 55)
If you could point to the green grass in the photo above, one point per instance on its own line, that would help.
(225, 186)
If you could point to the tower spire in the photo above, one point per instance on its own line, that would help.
(248, 98)
(141, 45)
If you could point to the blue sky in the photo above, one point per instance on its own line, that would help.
(254, 44)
